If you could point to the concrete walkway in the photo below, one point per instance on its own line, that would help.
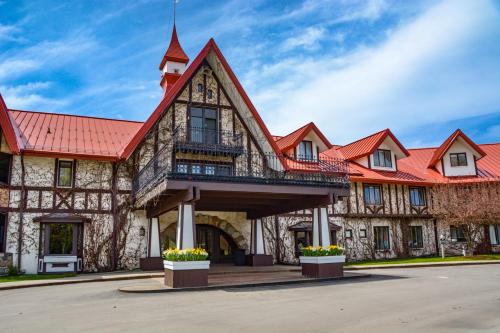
(215, 270)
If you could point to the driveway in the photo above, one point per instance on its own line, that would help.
(440, 299)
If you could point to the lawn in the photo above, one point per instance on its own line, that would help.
(26, 277)
(423, 260)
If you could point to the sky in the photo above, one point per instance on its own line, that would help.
(421, 68)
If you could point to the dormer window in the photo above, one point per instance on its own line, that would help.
(382, 158)
(305, 150)
(458, 159)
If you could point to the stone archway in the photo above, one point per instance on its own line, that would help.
(224, 226)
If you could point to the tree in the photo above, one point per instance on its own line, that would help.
(468, 206)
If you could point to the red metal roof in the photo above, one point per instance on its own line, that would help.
(9, 130)
(441, 150)
(367, 145)
(72, 135)
(414, 169)
(174, 52)
(292, 140)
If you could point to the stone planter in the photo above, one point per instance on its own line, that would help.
(322, 267)
(185, 274)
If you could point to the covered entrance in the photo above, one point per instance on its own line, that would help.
(220, 246)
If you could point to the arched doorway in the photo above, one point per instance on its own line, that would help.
(220, 246)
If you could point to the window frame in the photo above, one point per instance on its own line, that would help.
(204, 132)
(308, 145)
(348, 233)
(3, 232)
(58, 173)
(381, 153)
(367, 187)
(418, 241)
(9, 167)
(384, 231)
(363, 233)
(457, 163)
(47, 230)
(423, 202)
(457, 230)
(496, 230)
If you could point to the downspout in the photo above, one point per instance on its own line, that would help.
(21, 209)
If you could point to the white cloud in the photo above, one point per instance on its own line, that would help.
(439, 67)
(308, 39)
(45, 55)
(28, 96)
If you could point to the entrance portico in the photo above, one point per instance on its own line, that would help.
(256, 201)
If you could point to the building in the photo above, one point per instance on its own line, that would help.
(86, 194)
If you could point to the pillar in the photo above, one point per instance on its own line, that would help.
(258, 256)
(321, 228)
(257, 238)
(186, 231)
(154, 249)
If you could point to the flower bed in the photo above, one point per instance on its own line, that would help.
(196, 254)
(320, 251)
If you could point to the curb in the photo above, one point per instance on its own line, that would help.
(244, 285)
(63, 282)
(418, 265)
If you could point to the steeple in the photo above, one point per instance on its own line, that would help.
(174, 62)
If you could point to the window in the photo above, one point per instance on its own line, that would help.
(4, 167)
(381, 238)
(457, 234)
(204, 169)
(458, 159)
(203, 125)
(65, 174)
(305, 151)
(3, 232)
(416, 237)
(372, 195)
(362, 233)
(200, 87)
(417, 196)
(176, 71)
(348, 233)
(61, 238)
(382, 158)
(209, 93)
(494, 234)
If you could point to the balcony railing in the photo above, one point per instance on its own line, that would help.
(245, 168)
(196, 139)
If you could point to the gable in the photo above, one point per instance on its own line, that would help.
(231, 85)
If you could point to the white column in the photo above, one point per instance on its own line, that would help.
(321, 228)
(257, 238)
(154, 237)
(185, 227)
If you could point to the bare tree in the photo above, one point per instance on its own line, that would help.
(469, 206)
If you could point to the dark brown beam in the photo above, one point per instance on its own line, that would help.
(169, 203)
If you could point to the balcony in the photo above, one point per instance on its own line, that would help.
(207, 141)
(251, 168)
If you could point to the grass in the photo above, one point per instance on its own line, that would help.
(30, 277)
(423, 260)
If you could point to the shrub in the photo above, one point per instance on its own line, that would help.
(12, 270)
(185, 255)
(320, 251)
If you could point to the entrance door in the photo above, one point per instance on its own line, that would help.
(217, 243)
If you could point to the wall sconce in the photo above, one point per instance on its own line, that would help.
(142, 232)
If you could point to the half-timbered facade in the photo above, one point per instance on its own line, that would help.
(87, 194)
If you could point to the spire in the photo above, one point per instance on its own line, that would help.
(174, 53)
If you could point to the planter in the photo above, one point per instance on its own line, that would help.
(185, 274)
(322, 267)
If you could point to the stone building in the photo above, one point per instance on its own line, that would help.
(91, 194)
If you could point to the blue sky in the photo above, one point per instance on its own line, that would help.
(422, 68)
